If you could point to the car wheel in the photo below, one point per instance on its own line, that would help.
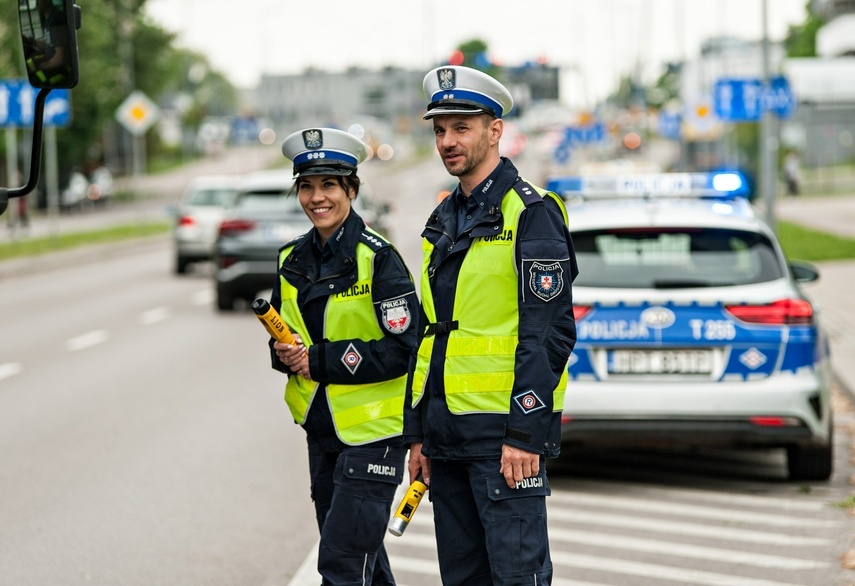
(811, 462)
(181, 264)
(225, 298)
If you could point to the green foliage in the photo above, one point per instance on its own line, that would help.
(801, 39)
(811, 245)
(475, 55)
(113, 34)
(37, 246)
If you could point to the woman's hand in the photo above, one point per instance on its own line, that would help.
(294, 356)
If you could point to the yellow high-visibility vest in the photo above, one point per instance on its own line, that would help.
(480, 357)
(361, 413)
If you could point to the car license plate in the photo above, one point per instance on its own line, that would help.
(660, 362)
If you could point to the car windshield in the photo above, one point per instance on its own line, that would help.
(665, 258)
(215, 197)
(273, 200)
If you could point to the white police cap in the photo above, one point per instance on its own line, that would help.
(324, 151)
(453, 89)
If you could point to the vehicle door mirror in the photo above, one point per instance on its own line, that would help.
(49, 35)
(804, 272)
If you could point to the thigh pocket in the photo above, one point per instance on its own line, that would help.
(518, 537)
(363, 498)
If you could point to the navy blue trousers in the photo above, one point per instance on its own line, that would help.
(486, 533)
(353, 491)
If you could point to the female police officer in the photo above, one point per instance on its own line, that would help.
(351, 303)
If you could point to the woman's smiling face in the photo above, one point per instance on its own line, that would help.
(325, 201)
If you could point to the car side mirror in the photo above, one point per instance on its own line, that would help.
(804, 272)
(49, 38)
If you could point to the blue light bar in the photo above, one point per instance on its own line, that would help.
(722, 185)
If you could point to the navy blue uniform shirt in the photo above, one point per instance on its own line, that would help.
(547, 331)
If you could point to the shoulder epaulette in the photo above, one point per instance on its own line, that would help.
(372, 239)
(527, 193)
(293, 242)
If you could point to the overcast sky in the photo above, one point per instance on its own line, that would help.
(596, 41)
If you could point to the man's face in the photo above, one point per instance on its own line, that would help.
(464, 141)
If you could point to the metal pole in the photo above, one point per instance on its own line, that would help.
(52, 181)
(12, 174)
(768, 143)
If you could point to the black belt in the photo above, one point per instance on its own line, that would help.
(441, 327)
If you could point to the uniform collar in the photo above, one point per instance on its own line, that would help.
(342, 244)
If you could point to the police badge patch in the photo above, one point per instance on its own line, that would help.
(547, 280)
(529, 401)
(351, 358)
(313, 138)
(396, 315)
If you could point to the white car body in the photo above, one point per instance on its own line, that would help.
(692, 326)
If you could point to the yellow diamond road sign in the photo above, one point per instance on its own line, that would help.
(137, 113)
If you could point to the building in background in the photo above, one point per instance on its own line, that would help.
(822, 130)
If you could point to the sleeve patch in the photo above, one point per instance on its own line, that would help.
(546, 280)
(529, 402)
(396, 315)
(351, 358)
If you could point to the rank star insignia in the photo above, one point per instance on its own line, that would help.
(396, 315)
(351, 358)
(547, 280)
(529, 402)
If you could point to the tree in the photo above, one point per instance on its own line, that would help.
(158, 68)
(801, 39)
(473, 53)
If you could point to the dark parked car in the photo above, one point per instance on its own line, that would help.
(264, 216)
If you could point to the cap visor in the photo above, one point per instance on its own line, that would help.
(455, 110)
(324, 171)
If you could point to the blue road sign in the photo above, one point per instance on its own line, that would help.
(17, 105)
(747, 99)
(576, 135)
(670, 124)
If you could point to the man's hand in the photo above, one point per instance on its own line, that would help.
(518, 464)
(418, 464)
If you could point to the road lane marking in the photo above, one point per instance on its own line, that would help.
(86, 340)
(154, 315)
(695, 529)
(682, 550)
(636, 569)
(638, 505)
(750, 500)
(10, 369)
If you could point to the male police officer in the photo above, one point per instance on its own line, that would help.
(490, 374)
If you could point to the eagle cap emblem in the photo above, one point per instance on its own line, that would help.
(447, 79)
(313, 139)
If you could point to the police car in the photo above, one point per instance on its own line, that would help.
(692, 325)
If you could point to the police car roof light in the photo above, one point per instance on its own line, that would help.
(723, 185)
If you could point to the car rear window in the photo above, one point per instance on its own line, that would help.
(674, 257)
(273, 200)
(211, 197)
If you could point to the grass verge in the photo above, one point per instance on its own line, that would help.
(797, 241)
(37, 246)
(811, 245)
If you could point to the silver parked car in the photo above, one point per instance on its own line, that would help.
(197, 223)
(265, 215)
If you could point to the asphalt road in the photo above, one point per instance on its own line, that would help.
(144, 441)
